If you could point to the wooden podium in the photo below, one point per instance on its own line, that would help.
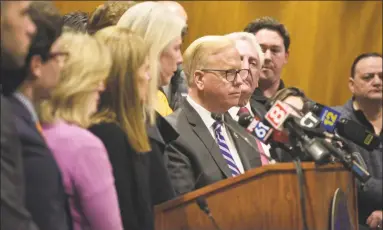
(265, 198)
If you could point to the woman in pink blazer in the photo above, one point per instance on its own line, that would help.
(81, 156)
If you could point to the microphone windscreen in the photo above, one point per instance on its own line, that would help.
(217, 117)
(244, 120)
(357, 133)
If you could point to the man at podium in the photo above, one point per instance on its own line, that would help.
(206, 150)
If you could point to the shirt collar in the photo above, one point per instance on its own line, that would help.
(258, 94)
(359, 115)
(28, 104)
(233, 111)
(202, 112)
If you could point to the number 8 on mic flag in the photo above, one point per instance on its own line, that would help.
(277, 115)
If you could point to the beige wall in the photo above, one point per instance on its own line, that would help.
(325, 36)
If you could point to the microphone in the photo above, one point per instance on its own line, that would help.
(202, 204)
(349, 129)
(328, 116)
(262, 131)
(219, 117)
(279, 116)
(347, 160)
(357, 133)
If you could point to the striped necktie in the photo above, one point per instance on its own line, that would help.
(217, 126)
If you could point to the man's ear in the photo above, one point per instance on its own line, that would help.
(287, 55)
(351, 84)
(35, 66)
(199, 79)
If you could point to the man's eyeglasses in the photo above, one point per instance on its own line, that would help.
(231, 74)
(60, 56)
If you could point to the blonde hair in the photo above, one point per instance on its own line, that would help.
(199, 53)
(88, 64)
(120, 102)
(107, 14)
(250, 38)
(158, 26)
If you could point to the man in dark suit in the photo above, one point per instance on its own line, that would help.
(16, 33)
(45, 196)
(206, 151)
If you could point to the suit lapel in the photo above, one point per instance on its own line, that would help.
(204, 135)
(23, 113)
(245, 152)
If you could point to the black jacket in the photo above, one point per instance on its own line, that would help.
(371, 194)
(177, 89)
(141, 179)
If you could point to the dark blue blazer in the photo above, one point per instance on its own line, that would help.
(14, 215)
(44, 191)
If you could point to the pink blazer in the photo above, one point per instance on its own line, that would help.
(87, 176)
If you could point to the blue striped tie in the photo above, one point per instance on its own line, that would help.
(225, 149)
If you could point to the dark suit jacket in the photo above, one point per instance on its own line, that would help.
(130, 170)
(160, 135)
(194, 157)
(45, 195)
(141, 179)
(14, 215)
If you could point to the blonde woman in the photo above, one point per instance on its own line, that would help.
(161, 30)
(120, 124)
(81, 156)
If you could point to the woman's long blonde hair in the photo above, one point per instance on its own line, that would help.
(158, 26)
(87, 65)
(120, 102)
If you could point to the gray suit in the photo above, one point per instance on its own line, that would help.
(195, 159)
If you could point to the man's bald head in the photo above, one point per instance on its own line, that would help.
(176, 8)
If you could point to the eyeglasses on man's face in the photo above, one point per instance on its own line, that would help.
(60, 56)
(231, 74)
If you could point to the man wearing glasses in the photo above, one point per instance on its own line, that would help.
(206, 151)
(44, 192)
(251, 58)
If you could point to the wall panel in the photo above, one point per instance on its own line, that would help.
(325, 35)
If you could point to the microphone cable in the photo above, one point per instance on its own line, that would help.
(302, 197)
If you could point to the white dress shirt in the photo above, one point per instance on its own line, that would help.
(28, 104)
(233, 111)
(209, 121)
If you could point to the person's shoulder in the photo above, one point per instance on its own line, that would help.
(173, 118)
(110, 128)
(71, 132)
(108, 132)
(345, 110)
